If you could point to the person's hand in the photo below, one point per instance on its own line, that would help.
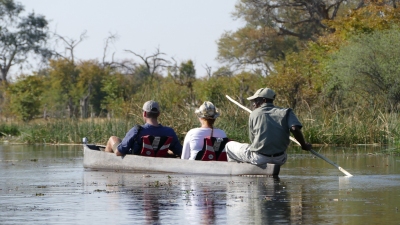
(306, 146)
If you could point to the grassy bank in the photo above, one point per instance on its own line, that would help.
(320, 127)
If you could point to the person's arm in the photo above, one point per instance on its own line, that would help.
(186, 147)
(296, 131)
(175, 146)
(250, 127)
(127, 142)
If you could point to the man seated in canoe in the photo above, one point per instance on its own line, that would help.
(132, 143)
(194, 139)
(269, 132)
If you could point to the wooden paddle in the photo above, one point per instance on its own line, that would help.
(295, 141)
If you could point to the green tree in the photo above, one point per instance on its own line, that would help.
(185, 76)
(88, 87)
(223, 72)
(369, 67)
(254, 47)
(115, 97)
(20, 36)
(63, 94)
(25, 97)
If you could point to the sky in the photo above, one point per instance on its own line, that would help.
(182, 29)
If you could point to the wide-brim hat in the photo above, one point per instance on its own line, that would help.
(207, 111)
(263, 93)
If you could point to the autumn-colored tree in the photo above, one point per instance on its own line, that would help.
(274, 29)
(307, 76)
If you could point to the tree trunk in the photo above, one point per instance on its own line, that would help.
(4, 76)
(84, 103)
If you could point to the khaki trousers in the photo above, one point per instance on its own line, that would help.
(239, 152)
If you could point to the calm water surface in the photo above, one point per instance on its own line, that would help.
(48, 185)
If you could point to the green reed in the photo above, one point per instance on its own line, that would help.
(8, 129)
(360, 126)
(344, 127)
(72, 130)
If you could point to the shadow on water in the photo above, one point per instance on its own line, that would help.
(47, 184)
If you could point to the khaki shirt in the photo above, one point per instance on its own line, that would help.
(269, 128)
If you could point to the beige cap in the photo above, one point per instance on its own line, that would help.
(263, 93)
(207, 111)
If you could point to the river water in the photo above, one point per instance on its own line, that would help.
(48, 185)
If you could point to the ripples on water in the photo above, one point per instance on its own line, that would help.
(47, 185)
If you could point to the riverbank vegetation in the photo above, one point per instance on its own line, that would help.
(336, 64)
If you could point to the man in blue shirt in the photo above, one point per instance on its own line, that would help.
(132, 142)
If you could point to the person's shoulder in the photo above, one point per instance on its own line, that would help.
(220, 132)
(273, 106)
(135, 128)
(194, 130)
(144, 126)
(282, 108)
(190, 132)
(168, 129)
(138, 127)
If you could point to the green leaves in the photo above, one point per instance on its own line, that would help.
(370, 66)
(20, 36)
(25, 97)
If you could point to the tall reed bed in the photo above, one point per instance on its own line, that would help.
(361, 126)
(321, 126)
(71, 130)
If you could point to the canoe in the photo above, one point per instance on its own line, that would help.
(94, 158)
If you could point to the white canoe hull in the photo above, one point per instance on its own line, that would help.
(95, 159)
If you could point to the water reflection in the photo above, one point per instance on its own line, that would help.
(202, 203)
(155, 198)
(47, 185)
(264, 199)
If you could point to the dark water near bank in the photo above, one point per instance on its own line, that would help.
(48, 185)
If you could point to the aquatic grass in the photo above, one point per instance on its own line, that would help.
(351, 127)
(320, 126)
(73, 130)
(9, 129)
(391, 151)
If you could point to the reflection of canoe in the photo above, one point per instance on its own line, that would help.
(96, 159)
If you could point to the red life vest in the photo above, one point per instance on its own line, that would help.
(214, 149)
(155, 146)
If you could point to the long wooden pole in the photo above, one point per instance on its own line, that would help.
(295, 141)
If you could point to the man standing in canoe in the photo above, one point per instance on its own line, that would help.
(132, 142)
(269, 132)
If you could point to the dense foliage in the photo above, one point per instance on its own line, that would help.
(336, 63)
